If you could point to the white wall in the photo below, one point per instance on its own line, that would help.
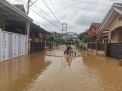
(115, 24)
(12, 45)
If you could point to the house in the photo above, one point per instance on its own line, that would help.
(37, 38)
(111, 29)
(93, 31)
(70, 36)
(112, 25)
(13, 36)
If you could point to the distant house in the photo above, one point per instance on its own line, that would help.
(93, 31)
(85, 33)
(70, 36)
(57, 35)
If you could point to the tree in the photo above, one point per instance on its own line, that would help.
(86, 39)
(80, 36)
(51, 38)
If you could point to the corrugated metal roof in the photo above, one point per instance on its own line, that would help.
(5, 4)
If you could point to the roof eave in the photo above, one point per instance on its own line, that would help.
(16, 10)
(106, 18)
(117, 10)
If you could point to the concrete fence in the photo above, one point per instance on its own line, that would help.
(12, 45)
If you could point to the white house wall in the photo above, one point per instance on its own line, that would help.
(15, 45)
(4, 46)
(115, 23)
(12, 45)
(23, 45)
(26, 45)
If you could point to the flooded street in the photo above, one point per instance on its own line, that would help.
(52, 71)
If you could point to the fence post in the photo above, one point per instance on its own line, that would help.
(96, 47)
(106, 50)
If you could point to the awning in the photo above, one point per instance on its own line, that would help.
(37, 29)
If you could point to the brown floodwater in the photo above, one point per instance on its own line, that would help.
(52, 71)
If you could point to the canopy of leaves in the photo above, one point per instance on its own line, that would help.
(86, 39)
(80, 36)
(50, 38)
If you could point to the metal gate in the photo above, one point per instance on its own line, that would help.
(115, 50)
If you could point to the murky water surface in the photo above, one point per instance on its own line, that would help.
(55, 72)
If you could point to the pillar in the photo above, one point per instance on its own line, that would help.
(28, 28)
(109, 37)
(28, 34)
(2, 22)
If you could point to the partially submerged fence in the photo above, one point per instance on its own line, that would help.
(38, 46)
(111, 49)
(97, 46)
(12, 45)
(115, 50)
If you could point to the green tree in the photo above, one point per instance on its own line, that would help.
(80, 36)
(51, 38)
(86, 39)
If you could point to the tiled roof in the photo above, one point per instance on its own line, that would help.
(14, 10)
(97, 26)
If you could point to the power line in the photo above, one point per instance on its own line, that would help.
(39, 9)
(28, 5)
(32, 3)
(51, 12)
(40, 12)
(44, 18)
(35, 13)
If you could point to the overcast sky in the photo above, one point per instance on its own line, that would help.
(78, 14)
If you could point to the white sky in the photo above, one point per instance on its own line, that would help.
(78, 14)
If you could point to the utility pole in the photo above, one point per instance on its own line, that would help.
(28, 6)
(64, 29)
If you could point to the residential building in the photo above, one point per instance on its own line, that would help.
(93, 31)
(112, 24)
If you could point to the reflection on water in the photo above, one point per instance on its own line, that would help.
(39, 72)
(10, 71)
(17, 73)
(108, 70)
(68, 59)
